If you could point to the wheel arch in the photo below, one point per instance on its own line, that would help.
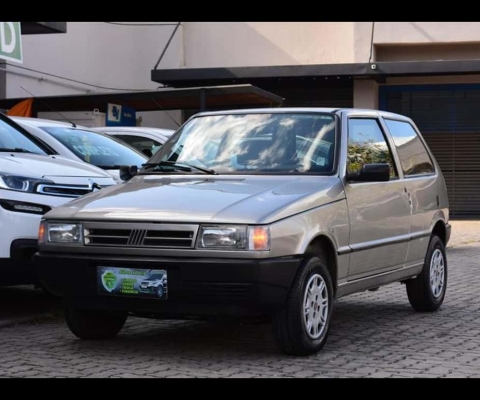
(325, 245)
(439, 228)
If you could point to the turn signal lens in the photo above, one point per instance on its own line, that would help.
(259, 238)
(41, 232)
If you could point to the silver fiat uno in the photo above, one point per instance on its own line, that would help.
(265, 212)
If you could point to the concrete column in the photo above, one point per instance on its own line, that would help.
(365, 94)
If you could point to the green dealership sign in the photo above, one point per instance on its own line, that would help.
(11, 41)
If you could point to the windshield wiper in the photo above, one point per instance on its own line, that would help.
(15, 150)
(108, 166)
(181, 166)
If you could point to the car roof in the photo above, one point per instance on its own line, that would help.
(46, 122)
(280, 110)
(138, 129)
(40, 122)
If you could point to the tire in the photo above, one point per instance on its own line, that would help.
(94, 324)
(289, 324)
(421, 295)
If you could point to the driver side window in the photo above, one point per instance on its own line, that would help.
(367, 145)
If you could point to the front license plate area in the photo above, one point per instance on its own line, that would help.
(132, 282)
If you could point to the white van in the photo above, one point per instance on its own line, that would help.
(32, 182)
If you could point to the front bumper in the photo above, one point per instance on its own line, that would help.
(149, 290)
(18, 244)
(22, 225)
(19, 268)
(195, 286)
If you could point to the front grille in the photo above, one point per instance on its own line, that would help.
(148, 235)
(64, 190)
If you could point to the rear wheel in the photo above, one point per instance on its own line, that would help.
(302, 326)
(94, 324)
(427, 291)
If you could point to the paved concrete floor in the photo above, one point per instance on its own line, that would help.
(373, 334)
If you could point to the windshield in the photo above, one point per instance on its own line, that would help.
(96, 148)
(155, 276)
(11, 138)
(250, 143)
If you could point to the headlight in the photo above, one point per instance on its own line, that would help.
(24, 207)
(234, 237)
(20, 183)
(63, 233)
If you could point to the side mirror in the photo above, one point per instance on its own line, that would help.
(371, 173)
(147, 152)
(127, 172)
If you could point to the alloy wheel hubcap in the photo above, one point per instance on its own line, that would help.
(437, 273)
(315, 305)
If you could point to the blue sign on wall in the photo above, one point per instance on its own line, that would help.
(118, 115)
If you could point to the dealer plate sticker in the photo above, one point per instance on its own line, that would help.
(132, 282)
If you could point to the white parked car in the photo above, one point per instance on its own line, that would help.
(145, 139)
(32, 182)
(84, 144)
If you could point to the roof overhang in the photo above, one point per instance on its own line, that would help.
(376, 70)
(35, 28)
(217, 97)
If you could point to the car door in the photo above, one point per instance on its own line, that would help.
(379, 212)
(421, 181)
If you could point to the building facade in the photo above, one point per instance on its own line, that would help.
(429, 71)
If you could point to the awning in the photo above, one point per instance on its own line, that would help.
(257, 75)
(203, 98)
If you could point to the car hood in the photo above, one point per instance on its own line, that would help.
(200, 198)
(42, 166)
(115, 174)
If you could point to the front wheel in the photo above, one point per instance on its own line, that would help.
(160, 291)
(301, 327)
(427, 291)
(94, 324)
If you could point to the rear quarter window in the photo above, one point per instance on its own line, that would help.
(414, 157)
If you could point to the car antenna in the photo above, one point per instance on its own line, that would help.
(166, 112)
(49, 106)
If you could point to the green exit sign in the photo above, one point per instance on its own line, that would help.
(11, 41)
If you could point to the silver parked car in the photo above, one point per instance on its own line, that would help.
(274, 212)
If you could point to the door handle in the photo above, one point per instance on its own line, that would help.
(409, 197)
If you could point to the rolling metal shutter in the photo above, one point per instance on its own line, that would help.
(449, 119)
